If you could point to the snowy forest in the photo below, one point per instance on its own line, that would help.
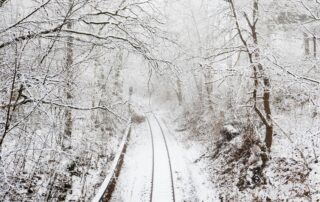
(160, 100)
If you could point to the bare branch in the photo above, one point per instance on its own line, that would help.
(26, 17)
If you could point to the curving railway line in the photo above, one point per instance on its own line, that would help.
(157, 165)
(162, 184)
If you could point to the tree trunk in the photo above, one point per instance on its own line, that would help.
(314, 46)
(117, 91)
(306, 44)
(179, 92)
(266, 117)
(199, 89)
(208, 87)
(68, 89)
(267, 110)
(258, 71)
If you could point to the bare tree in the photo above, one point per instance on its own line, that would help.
(69, 79)
(47, 52)
(260, 76)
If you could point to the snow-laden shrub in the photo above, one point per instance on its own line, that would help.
(229, 132)
(137, 118)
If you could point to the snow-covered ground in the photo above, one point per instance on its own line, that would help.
(190, 181)
(292, 169)
(133, 183)
(163, 185)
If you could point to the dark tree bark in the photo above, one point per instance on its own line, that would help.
(258, 71)
(68, 90)
(2, 2)
(306, 44)
(314, 46)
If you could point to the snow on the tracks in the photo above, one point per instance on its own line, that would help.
(134, 183)
(162, 185)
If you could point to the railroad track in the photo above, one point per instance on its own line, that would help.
(162, 184)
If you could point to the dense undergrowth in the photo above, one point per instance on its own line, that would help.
(242, 169)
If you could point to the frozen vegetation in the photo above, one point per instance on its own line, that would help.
(220, 100)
